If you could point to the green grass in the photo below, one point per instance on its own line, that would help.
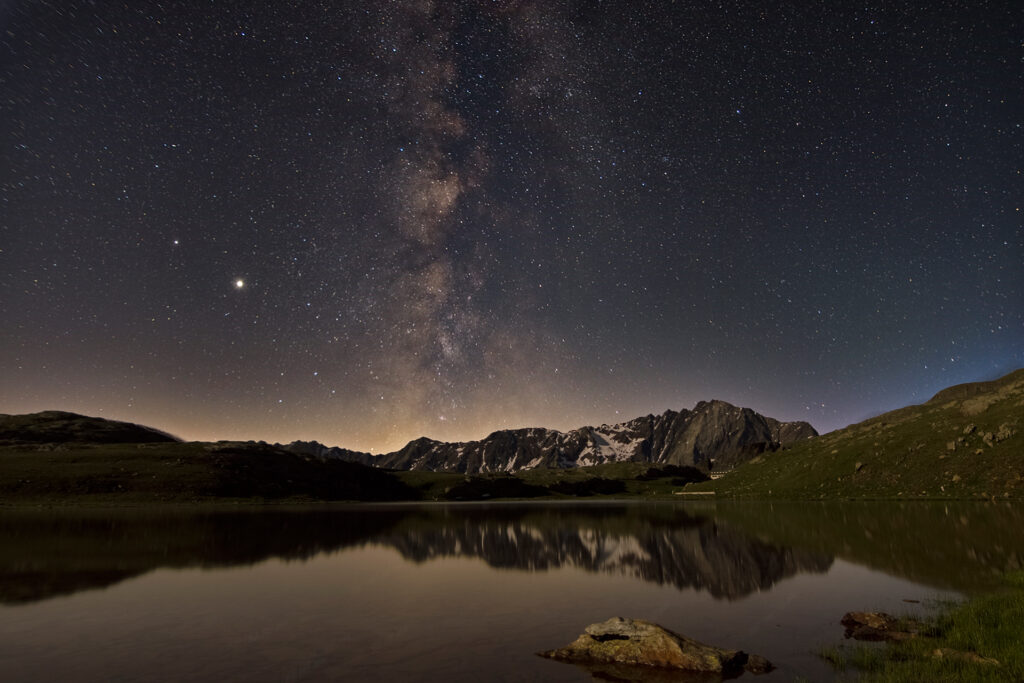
(626, 472)
(835, 656)
(936, 450)
(430, 485)
(989, 626)
(448, 485)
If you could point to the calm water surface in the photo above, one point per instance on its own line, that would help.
(463, 592)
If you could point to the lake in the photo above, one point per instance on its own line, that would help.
(464, 592)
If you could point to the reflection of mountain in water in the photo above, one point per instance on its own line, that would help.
(46, 554)
(729, 551)
(685, 552)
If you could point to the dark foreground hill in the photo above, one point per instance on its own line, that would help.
(54, 426)
(715, 435)
(966, 442)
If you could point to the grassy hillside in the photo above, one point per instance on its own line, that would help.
(55, 426)
(183, 472)
(612, 480)
(967, 442)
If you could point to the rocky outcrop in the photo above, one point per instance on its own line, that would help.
(638, 643)
(975, 398)
(715, 435)
(878, 626)
(965, 392)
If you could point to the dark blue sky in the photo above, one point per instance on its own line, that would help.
(364, 222)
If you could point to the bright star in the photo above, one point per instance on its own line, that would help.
(239, 283)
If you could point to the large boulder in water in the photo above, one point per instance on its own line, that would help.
(639, 643)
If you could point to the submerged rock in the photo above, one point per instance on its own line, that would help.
(638, 643)
(757, 665)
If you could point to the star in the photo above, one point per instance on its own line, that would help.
(239, 283)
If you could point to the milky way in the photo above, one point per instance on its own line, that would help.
(365, 222)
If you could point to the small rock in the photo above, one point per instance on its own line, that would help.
(956, 478)
(951, 446)
(949, 653)
(969, 429)
(858, 466)
(1004, 433)
(988, 438)
(757, 665)
(979, 451)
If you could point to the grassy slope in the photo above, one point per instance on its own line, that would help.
(55, 426)
(182, 472)
(436, 485)
(903, 454)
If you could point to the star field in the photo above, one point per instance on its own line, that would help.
(365, 222)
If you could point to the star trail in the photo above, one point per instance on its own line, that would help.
(363, 222)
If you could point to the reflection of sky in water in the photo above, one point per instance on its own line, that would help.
(368, 614)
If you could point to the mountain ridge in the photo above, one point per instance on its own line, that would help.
(715, 435)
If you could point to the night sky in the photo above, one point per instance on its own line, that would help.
(363, 222)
